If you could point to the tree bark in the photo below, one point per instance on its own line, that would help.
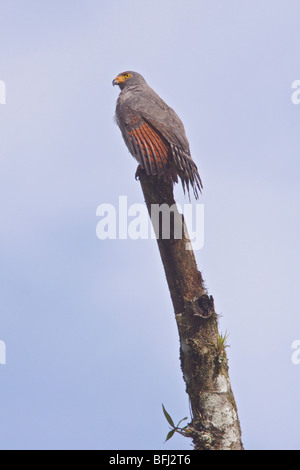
(215, 423)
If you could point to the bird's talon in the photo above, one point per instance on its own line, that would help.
(138, 172)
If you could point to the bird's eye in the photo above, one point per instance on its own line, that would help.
(126, 75)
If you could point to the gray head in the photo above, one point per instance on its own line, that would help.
(128, 79)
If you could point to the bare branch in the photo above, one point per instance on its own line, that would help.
(215, 423)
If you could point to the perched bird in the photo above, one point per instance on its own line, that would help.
(153, 133)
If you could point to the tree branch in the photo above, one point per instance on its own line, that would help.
(215, 423)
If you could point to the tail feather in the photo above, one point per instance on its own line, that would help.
(187, 171)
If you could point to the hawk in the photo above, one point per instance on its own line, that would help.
(153, 133)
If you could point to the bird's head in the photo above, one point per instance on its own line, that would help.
(129, 78)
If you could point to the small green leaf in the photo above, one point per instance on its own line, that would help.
(183, 419)
(170, 434)
(187, 430)
(168, 418)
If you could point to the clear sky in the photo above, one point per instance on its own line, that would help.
(91, 342)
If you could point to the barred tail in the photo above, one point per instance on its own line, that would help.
(187, 171)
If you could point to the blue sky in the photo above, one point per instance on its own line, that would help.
(91, 340)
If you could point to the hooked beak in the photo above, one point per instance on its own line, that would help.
(119, 79)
